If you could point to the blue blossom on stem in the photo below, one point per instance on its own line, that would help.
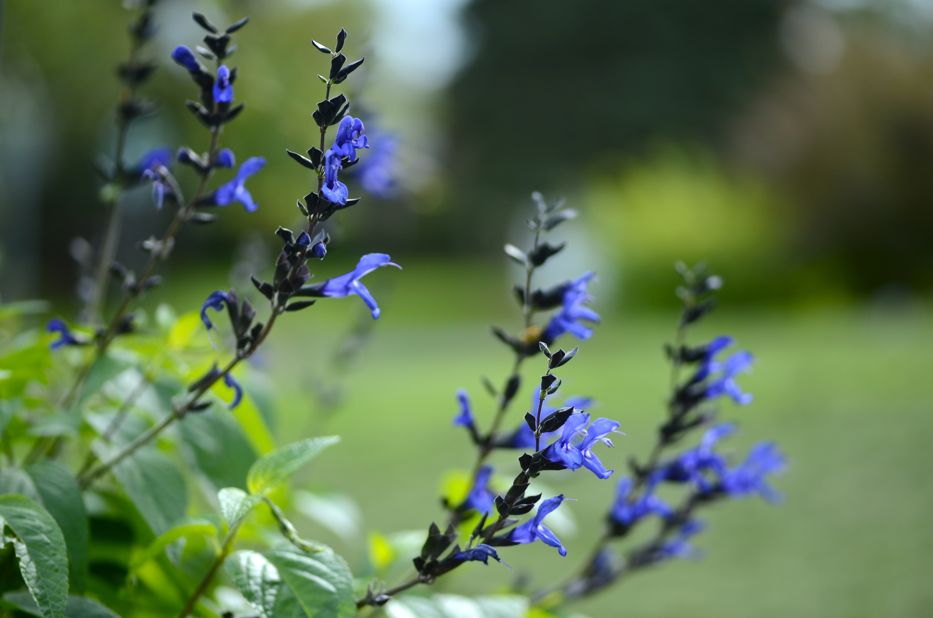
(524, 438)
(332, 189)
(679, 545)
(573, 448)
(235, 190)
(573, 313)
(481, 499)
(186, 58)
(534, 530)
(231, 383)
(625, 511)
(349, 138)
(376, 173)
(751, 476)
(225, 158)
(152, 160)
(350, 283)
(725, 384)
(223, 89)
(465, 417)
(480, 553)
(216, 301)
(65, 336)
(695, 465)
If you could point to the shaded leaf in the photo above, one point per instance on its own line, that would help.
(275, 468)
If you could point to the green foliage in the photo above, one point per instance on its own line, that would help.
(275, 468)
(453, 606)
(321, 582)
(76, 607)
(40, 549)
(155, 486)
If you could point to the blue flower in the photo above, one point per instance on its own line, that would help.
(65, 336)
(481, 499)
(626, 511)
(750, 476)
(523, 437)
(350, 283)
(231, 382)
(332, 189)
(575, 453)
(725, 384)
(235, 190)
(695, 465)
(153, 159)
(376, 172)
(349, 138)
(319, 250)
(186, 58)
(223, 89)
(225, 158)
(574, 311)
(465, 418)
(480, 553)
(215, 301)
(533, 530)
(679, 546)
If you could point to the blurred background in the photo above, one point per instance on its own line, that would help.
(787, 144)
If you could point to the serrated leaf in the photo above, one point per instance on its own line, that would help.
(321, 582)
(156, 487)
(260, 584)
(60, 495)
(276, 467)
(235, 504)
(40, 549)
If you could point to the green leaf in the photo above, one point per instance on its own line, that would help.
(40, 549)
(259, 582)
(321, 582)
(235, 504)
(77, 607)
(454, 606)
(194, 527)
(275, 468)
(220, 448)
(16, 481)
(156, 487)
(61, 497)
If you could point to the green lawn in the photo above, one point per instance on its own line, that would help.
(846, 393)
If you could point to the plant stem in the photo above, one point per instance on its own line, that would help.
(209, 576)
(117, 420)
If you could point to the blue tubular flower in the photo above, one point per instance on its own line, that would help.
(223, 89)
(160, 186)
(597, 432)
(332, 189)
(350, 283)
(153, 159)
(750, 476)
(695, 465)
(376, 172)
(524, 437)
(465, 418)
(725, 383)
(225, 158)
(533, 530)
(481, 499)
(186, 58)
(216, 301)
(235, 190)
(65, 336)
(679, 546)
(349, 138)
(574, 311)
(231, 383)
(480, 553)
(626, 512)
(575, 454)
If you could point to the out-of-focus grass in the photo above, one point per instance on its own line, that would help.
(846, 393)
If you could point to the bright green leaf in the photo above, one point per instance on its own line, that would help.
(235, 504)
(321, 582)
(61, 497)
(40, 549)
(220, 448)
(275, 468)
(259, 582)
(194, 527)
(156, 487)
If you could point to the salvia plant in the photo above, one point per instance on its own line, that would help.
(140, 477)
